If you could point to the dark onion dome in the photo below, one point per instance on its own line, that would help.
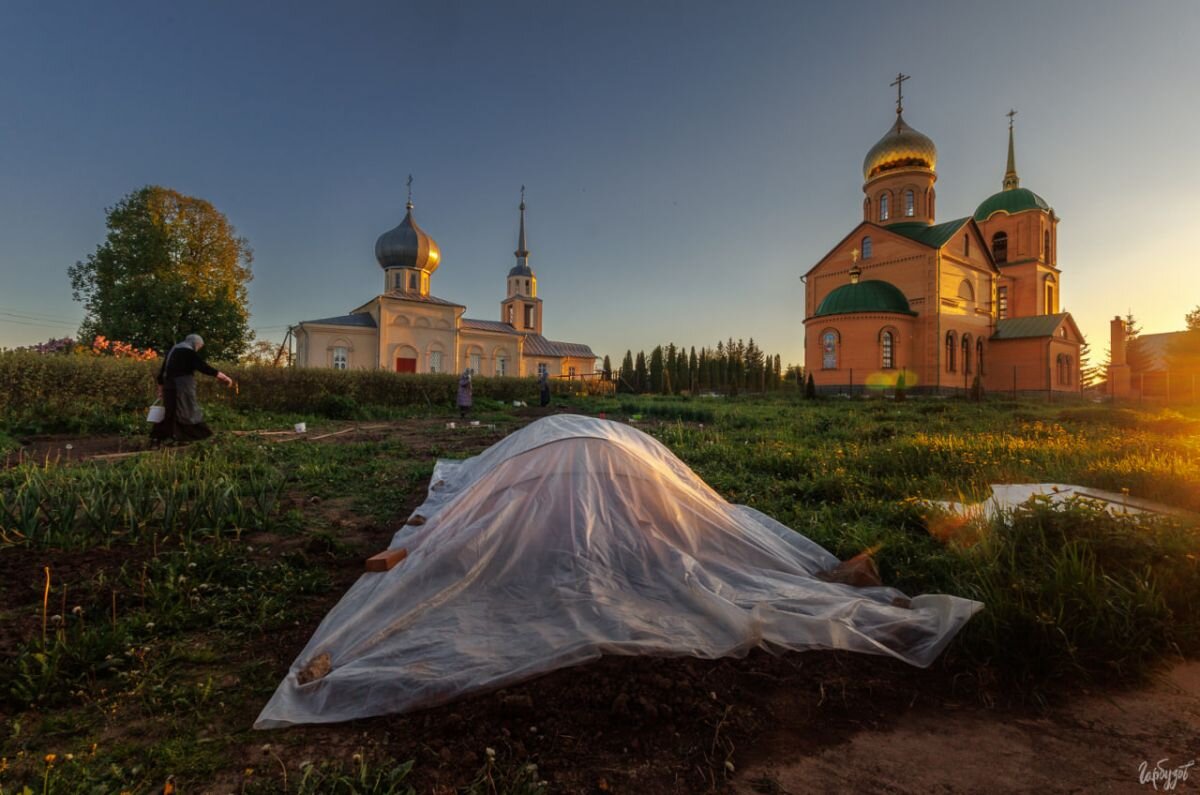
(1010, 201)
(872, 295)
(407, 246)
(901, 147)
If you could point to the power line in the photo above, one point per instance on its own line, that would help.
(32, 315)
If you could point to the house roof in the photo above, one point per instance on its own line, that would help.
(537, 345)
(1014, 328)
(872, 295)
(934, 235)
(1151, 350)
(487, 325)
(361, 319)
(421, 299)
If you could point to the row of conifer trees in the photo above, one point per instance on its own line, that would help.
(730, 367)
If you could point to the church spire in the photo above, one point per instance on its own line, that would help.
(1011, 181)
(522, 252)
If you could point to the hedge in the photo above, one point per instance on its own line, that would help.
(48, 390)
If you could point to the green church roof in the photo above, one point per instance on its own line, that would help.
(1015, 328)
(872, 295)
(931, 235)
(1010, 201)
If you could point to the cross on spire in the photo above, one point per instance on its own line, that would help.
(522, 197)
(410, 204)
(1010, 115)
(899, 84)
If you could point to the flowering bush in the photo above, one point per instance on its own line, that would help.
(51, 346)
(103, 346)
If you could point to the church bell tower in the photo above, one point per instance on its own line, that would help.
(521, 308)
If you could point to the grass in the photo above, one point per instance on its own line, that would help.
(180, 583)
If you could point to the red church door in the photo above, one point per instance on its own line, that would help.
(406, 365)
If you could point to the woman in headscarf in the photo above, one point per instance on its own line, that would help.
(184, 420)
(544, 389)
(464, 393)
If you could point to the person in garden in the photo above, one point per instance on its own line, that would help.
(544, 389)
(464, 393)
(183, 420)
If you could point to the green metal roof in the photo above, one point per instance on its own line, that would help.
(1010, 201)
(872, 295)
(931, 235)
(1014, 328)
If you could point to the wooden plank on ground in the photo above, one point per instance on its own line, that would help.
(386, 560)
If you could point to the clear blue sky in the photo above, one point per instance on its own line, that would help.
(685, 162)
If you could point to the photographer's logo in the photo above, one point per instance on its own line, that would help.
(1161, 773)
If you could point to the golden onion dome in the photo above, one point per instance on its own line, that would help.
(407, 246)
(901, 147)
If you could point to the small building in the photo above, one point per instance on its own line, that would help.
(904, 299)
(408, 329)
(1162, 366)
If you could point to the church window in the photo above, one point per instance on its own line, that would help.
(1046, 245)
(1001, 302)
(412, 281)
(527, 287)
(829, 345)
(883, 207)
(476, 363)
(529, 316)
(435, 361)
(887, 345)
(509, 317)
(966, 245)
(398, 282)
(979, 355)
(1000, 247)
(501, 366)
(910, 203)
(951, 348)
(966, 291)
(866, 247)
(341, 359)
(542, 369)
(1049, 295)
(966, 354)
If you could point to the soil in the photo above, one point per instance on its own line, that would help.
(797, 723)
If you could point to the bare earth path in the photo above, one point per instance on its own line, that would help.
(1095, 744)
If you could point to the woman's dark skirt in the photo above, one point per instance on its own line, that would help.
(171, 428)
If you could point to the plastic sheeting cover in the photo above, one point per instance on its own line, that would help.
(1006, 497)
(573, 538)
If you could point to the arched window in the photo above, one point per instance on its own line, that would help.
(966, 348)
(966, 291)
(867, 209)
(1001, 303)
(1061, 362)
(883, 207)
(979, 355)
(1049, 295)
(910, 203)
(398, 282)
(412, 281)
(951, 348)
(887, 350)
(341, 359)
(866, 247)
(1070, 370)
(966, 245)
(1046, 244)
(1000, 247)
(829, 350)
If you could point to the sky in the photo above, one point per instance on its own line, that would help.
(685, 163)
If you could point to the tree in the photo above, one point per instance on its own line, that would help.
(1089, 374)
(1193, 319)
(170, 265)
(607, 368)
(656, 370)
(628, 377)
(641, 381)
(264, 352)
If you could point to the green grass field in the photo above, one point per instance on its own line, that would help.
(149, 605)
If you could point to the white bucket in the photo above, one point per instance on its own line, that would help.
(156, 414)
(301, 427)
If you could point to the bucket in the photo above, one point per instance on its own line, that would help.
(301, 427)
(156, 414)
